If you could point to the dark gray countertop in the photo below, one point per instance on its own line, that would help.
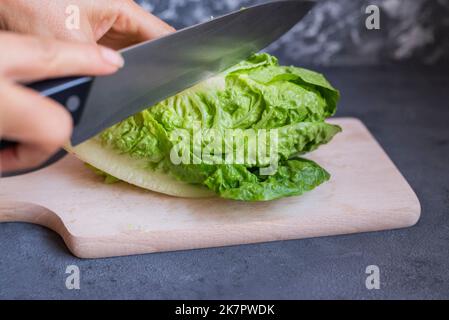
(406, 110)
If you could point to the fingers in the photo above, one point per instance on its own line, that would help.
(148, 26)
(25, 58)
(40, 125)
(134, 25)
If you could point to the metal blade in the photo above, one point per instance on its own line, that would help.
(158, 69)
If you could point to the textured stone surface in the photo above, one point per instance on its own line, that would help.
(407, 111)
(335, 33)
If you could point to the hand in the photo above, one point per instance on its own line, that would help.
(112, 23)
(40, 125)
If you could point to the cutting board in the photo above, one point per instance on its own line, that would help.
(366, 193)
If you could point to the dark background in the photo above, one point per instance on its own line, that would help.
(414, 31)
(395, 81)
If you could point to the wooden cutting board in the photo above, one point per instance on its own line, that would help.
(366, 193)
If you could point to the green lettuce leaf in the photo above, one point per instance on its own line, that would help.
(293, 178)
(254, 96)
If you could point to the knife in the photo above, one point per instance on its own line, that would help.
(157, 69)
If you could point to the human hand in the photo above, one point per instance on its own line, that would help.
(112, 23)
(40, 125)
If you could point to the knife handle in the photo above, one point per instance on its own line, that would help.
(70, 92)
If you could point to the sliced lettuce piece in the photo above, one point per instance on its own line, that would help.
(293, 178)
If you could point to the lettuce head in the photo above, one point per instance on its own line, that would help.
(239, 135)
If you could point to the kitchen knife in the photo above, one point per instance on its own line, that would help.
(157, 69)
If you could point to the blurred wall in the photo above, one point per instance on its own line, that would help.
(411, 31)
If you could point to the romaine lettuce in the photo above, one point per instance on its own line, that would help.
(254, 96)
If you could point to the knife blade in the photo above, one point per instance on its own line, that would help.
(157, 69)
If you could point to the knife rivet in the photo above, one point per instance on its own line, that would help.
(73, 103)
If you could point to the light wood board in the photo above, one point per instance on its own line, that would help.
(366, 193)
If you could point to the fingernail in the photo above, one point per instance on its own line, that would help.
(112, 57)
